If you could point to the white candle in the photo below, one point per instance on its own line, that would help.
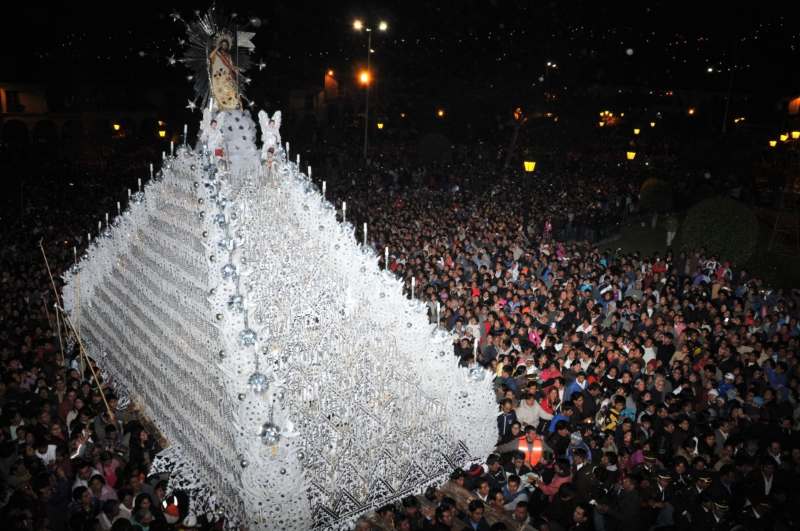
(185, 133)
(365, 234)
(106, 219)
(413, 286)
(298, 160)
(129, 194)
(438, 313)
(386, 258)
(139, 182)
(151, 170)
(88, 237)
(163, 155)
(344, 211)
(172, 147)
(309, 171)
(75, 254)
(99, 226)
(323, 188)
(119, 210)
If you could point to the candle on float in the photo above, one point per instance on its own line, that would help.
(75, 254)
(99, 226)
(386, 258)
(324, 186)
(438, 313)
(298, 160)
(185, 133)
(413, 286)
(287, 150)
(151, 170)
(309, 171)
(129, 195)
(365, 233)
(106, 219)
(139, 183)
(119, 210)
(163, 155)
(344, 211)
(172, 147)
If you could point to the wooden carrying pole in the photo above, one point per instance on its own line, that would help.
(81, 350)
(55, 294)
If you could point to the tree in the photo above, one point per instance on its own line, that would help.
(723, 226)
(655, 197)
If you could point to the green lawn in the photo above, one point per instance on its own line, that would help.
(779, 267)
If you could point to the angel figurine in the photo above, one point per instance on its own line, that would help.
(211, 132)
(270, 134)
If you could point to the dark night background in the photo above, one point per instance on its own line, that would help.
(477, 54)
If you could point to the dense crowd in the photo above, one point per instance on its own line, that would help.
(633, 391)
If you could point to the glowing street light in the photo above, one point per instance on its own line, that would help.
(116, 127)
(440, 113)
(784, 137)
(691, 111)
(652, 124)
(365, 76)
(636, 130)
(630, 155)
(601, 124)
(529, 165)
(795, 135)
(330, 73)
(380, 125)
(773, 143)
(162, 133)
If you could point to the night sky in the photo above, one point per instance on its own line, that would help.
(479, 45)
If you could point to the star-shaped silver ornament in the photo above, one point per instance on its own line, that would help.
(192, 105)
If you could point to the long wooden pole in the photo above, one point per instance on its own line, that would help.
(81, 350)
(55, 294)
(83, 353)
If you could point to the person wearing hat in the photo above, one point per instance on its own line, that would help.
(660, 499)
(530, 445)
(495, 474)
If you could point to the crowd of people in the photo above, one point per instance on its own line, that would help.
(634, 392)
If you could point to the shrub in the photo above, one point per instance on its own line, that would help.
(723, 226)
(655, 196)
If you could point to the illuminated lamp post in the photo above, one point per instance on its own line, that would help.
(365, 77)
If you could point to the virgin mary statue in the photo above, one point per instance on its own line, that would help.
(224, 86)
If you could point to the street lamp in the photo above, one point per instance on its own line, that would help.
(636, 130)
(795, 135)
(630, 155)
(366, 77)
(440, 113)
